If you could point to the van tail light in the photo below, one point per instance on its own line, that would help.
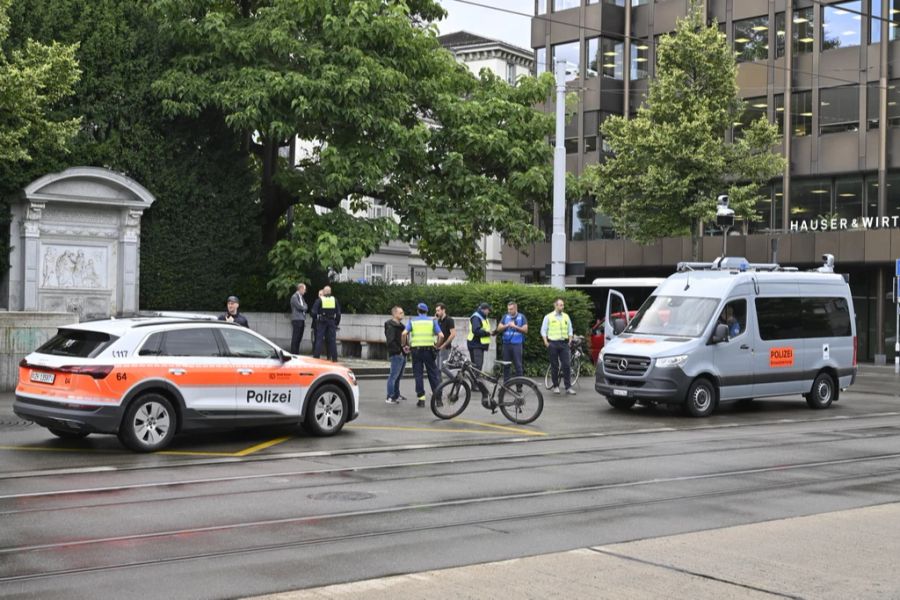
(95, 371)
(855, 349)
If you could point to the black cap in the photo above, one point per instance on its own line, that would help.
(232, 299)
(484, 306)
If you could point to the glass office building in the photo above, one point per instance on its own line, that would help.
(826, 73)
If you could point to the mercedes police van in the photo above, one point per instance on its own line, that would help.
(731, 330)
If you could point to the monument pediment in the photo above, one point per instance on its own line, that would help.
(89, 185)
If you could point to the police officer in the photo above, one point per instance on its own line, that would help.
(557, 333)
(479, 338)
(327, 314)
(423, 334)
(513, 328)
(231, 313)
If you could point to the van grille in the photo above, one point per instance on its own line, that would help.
(628, 366)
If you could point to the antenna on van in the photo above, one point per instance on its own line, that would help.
(687, 284)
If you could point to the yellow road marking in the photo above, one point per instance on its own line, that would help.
(426, 429)
(261, 446)
(195, 453)
(502, 427)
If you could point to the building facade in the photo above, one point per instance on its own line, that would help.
(399, 261)
(824, 72)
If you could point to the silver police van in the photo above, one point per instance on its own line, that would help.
(731, 330)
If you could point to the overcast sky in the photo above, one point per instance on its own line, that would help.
(490, 23)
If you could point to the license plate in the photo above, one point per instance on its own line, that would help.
(620, 392)
(42, 377)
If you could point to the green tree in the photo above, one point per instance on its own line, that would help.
(389, 115)
(671, 160)
(34, 80)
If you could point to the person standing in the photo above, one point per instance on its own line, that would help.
(232, 314)
(557, 333)
(313, 331)
(479, 338)
(513, 328)
(327, 313)
(448, 329)
(393, 336)
(424, 336)
(299, 308)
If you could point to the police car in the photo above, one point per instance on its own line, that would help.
(146, 379)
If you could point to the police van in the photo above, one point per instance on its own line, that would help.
(729, 330)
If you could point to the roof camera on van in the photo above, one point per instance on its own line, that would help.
(828, 267)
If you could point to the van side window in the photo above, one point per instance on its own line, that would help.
(779, 318)
(734, 314)
(799, 318)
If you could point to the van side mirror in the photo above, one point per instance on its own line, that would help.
(720, 334)
(618, 326)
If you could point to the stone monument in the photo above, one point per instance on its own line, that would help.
(75, 240)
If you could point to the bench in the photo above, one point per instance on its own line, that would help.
(362, 348)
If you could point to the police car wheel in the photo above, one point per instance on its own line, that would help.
(149, 424)
(823, 392)
(327, 411)
(65, 434)
(620, 403)
(701, 399)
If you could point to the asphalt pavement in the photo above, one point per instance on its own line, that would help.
(399, 492)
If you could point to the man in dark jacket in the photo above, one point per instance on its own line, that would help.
(393, 335)
(299, 309)
(327, 313)
(232, 315)
(479, 338)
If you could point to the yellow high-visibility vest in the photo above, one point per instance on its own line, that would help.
(422, 333)
(557, 329)
(328, 303)
(485, 325)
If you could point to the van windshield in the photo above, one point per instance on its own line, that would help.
(679, 316)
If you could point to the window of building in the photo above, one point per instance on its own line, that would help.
(838, 109)
(540, 60)
(804, 28)
(778, 206)
(873, 97)
(801, 113)
(751, 39)
(778, 101)
(611, 59)
(511, 73)
(593, 58)
(763, 221)
(892, 205)
(875, 21)
(841, 25)
(559, 5)
(779, 34)
(571, 53)
(810, 199)
(848, 201)
(591, 130)
(640, 61)
(541, 7)
(754, 108)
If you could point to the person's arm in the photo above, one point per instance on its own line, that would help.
(295, 303)
(450, 337)
(571, 331)
(317, 306)
(524, 327)
(404, 337)
(503, 325)
(438, 333)
(337, 313)
(544, 327)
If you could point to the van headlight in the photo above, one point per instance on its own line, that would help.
(668, 362)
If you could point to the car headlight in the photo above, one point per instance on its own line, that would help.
(351, 377)
(667, 362)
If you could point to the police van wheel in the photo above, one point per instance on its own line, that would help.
(701, 399)
(620, 403)
(65, 434)
(327, 411)
(823, 392)
(149, 424)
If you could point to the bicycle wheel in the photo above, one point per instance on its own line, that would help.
(575, 366)
(523, 406)
(548, 381)
(450, 399)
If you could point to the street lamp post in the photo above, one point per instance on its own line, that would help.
(558, 239)
(724, 219)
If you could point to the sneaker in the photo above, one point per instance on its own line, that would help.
(570, 391)
(556, 390)
(392, 401)
(402, 398)
(438, 402)
(421, 402)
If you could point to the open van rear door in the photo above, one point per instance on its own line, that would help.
(616, 315)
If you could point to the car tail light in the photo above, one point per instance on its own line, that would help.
(855, 349)
(95, 371)
(23, 363)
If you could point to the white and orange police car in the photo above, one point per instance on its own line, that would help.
(146, 379)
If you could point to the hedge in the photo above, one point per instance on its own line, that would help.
(534, 302)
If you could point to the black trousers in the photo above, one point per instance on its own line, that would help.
(559, 359)
(326, 335)
(297, 335)
(476, 355)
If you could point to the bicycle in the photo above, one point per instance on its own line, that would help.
(576, 359)
(519, 399)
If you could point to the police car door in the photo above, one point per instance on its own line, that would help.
(734, 357)
(616, 309)
(265, 385)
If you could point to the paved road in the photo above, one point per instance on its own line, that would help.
(230, 514)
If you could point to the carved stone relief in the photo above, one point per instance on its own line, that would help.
(71, 266)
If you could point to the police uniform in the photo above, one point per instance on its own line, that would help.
(327, 313)
(513, 343)
(423, 331)
(557, 328)
(479, 338)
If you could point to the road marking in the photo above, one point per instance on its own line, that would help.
(425, 429)
(121, 452)
(261, 446)
(195, 453)
(502, 427)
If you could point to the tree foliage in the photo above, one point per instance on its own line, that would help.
(671, 160)
(389, 115)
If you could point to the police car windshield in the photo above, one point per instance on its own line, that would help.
(678, 316)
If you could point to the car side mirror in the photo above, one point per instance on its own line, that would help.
(720, 334)
(284, 356)
(618, 326)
